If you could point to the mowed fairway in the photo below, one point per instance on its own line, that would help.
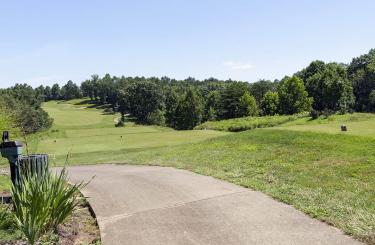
(80, 128)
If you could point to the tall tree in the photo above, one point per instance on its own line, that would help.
(212, 105)
(270, 103)
(56, 92)
(372, 100)
(24, 104)
(171, 102)
(329, 85)
(87, 89)
(39, 92)
(293, 96)
(48, 93)
(189, 110)
(362, 73)
(248, 105)
(230, 100)
(70, 91)
(141, 99)
(260, 88)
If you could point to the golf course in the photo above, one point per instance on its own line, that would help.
(309, 164)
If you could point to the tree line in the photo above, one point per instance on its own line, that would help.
(22, 104)
(321, 88)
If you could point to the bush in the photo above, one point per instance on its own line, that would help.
(120, 123)
(248, 123)
(156, 118)
(327, 113)
(41, 203)
(314, 114)
(24, 106)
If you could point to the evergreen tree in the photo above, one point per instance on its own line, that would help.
(230, 100)
(56, 92)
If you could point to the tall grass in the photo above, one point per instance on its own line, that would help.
(248, 123)
(43, 202)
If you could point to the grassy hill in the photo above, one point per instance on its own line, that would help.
(5, 124)
(357, 123)
(308, 164)
(89, 135)
(361, 124)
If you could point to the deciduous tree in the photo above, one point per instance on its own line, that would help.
(270, 103)
(293, 96)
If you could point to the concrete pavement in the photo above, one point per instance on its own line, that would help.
(157, 205)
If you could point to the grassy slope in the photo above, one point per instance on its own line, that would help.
(88, 133)
(7, 232)
(5, 124)
(361, 124)
(248, 123)
(328, 176)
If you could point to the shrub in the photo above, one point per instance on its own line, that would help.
(314, 114)
(120, 123)
(327, 113)
(270, 103)
(41, 203)
(156, 118)
(248, 123)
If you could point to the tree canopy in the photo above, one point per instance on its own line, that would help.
(293, 97)
(362, 74)
(182, 104)
(329, 85)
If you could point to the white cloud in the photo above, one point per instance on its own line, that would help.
(238, 65)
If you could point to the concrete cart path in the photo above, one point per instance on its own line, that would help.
(158, 205)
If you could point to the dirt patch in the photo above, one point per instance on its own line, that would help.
(80, 228)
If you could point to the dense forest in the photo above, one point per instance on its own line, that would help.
(320, 88)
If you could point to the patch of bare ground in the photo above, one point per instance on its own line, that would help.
(80, 228)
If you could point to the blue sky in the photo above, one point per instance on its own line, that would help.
(42, 42)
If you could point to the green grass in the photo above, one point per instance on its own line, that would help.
(83, 130)
(8, 231)
(5, 183)
(308, 164)
(328, 177)
(361, 124)
(6, 124)
(248, 123)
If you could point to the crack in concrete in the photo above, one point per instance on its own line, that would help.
(115, 218)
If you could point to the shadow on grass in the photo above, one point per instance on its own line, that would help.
(85, 102)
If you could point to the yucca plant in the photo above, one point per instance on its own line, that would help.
(65, 198)
(42, 202)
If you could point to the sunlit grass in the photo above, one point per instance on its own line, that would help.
(79, 127)
(362, 124)
(307, 163)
